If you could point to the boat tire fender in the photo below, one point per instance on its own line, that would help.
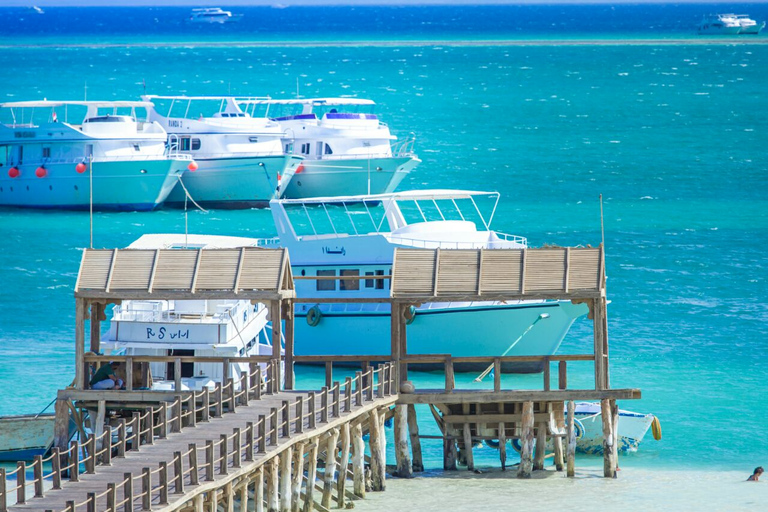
(410, 315)
(656, 428)
(314, 316)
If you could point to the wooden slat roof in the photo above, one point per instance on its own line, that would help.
(244, 272)
(429, 275)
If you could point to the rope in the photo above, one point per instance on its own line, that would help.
(190, 197)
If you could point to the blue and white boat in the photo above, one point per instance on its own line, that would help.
(347, 150)
(112, 159)
(25, 436)
(213, 15)
(239, 155)
(356, 236)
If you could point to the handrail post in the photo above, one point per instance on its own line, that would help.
(111, 498)
(163, 483)
(176, 425)
(262, 423)
(380, 387)
(163, 420)
(236, 448)
(217, 397)
(258, 383)
(496, 374)
(90, 502)
(324, 405)
(146, 489)
(286, 413)
(209, 461)
(136, 438)
(223, 454)
(55, 468)
(348, 394)
(369, 384)
(336, 392)
(178, 473)
(299, 425)
(194, 477)
(244, 388)
(359, 388)
(547, 383)
(3, 495)
(273, 426)
(74, 461)
(107, 443)
(329, 373)
(450, 382)
(192, 410)
(232, 398)
(90, 461)
(177, 374)
(150, 426)
(311, 410)
(121, 437)
(128, 492)
(206, 404)
(38, 472)
(562, 375)
(21, 482)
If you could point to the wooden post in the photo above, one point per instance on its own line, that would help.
(128, 492)
(298, 476)
(600, 343)
(74, 461)
(541, 447)
(177, 374)
(236, 448)
(348, 394)
(122, 435)
(258, 489)
(468, 447)
(402, 456)
(562, 375)
(229, 496)
(209, 461)
(343, 464)
(259, 382)
(557, 443)
(262, 438)
(299, 424)
(273, 426)
(90, 502)
(21, 483)
(615, 423)
(378, 467)
(273, 500)
(194, 478)
(286, 413)
(232, 395)
(286, 457)
(324, 405)
(571, 431)
(394, 328)
(311, 410)
(449, 452)
(290, 378)
(244, 497)
(97, 310)
(249, 441)
(55, 469)
(38, 476)
(218, 398)
(358, 461)
(496, 374)
(163, 476)
(80, 376)
(311, 476)
(61, 425)
(502, 440)
(111, 497)
(413, 430)
(330, 467)
(90, 462)
(609, 462)
(277, 330)
(146, 489)
(223, 454)
(178, 473)
(198, 503)
(526, 441)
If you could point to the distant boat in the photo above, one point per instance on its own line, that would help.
(213, 15)
(38, 10)
(729, 24)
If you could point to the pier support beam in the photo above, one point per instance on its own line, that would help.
(311, 476)
(449, 452)
(571, 436)
(298, 476)
(343, 465)
(358, 461)
(609, 446)
(378, 465)
(330, 467)
(286, 458)
(79, 343)
(526, 442)
(502, 440)
(403, 458)
(258, 489)
(273, 500)
(413, 430)
(277, 328)
(61, 426)
(468, 453)
(288, 316)
(541, 446)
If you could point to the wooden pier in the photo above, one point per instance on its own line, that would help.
(258, 441)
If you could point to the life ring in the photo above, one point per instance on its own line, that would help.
(410, 315)
(314, 316)
(656, 428)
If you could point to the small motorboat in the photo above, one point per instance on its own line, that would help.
(25, 436)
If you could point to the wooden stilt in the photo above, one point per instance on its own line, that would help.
(358, 461)
(198, 503)
(615, 422)
(229, 495)
(526, 441)
(449, 452)
(286, 458)
(413, 430)
(273, 500)
(298, 476)
(402, 456)
(571, 432)
(244, 497)
(343, 465)
(330, 467)
(541, 447)
(609, 465)
(258, 489)
(61, 426)
(378, 466)
(468, 447)
(502, 440)
(311, 476)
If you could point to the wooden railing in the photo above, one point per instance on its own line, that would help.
(233, 449)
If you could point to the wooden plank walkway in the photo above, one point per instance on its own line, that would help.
(163, 452)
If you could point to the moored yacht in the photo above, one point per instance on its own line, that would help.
(347, 150)
(748, 25)
(112, 159)
(214, 328)
(720, 24)
(239, 156)
(355, 236)
(213, 15)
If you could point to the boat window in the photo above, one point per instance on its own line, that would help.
(289, 149)
(184, 144)
(195, 144)
(107, 119)
(319, 148)
(326, 285)
(369, 282)
(380, 282)
(349, 284)
(136, 147)
(253, 139)
(305, 149)
(187, 369)
(328, 150)
(46, 152)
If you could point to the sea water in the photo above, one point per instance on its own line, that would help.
(672, 135)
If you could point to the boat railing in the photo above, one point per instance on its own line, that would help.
(405, 147)
(102, 159)
(136, 313)
(513, 240)
(384, 308)
(268, 242)
(356, 156)
(237, 154)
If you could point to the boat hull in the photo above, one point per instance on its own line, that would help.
(441, 329)
(632, 428)
(122, 185)
(23, 437)
(333, 177)
(233, 183)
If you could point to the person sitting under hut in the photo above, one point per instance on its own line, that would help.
(756, 475)
(105, 377)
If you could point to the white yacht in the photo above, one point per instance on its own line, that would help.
(347, 150)
(214, 328)
(239, 156)
(748, 25)
(112, 158)
(720, 24)
(213, 15)
(356, 236)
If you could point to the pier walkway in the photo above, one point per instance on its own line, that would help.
(227, 458)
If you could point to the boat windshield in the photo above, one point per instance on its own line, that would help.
(68, 113)
(383, 216)
(206, 107)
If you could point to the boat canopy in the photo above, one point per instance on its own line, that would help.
(309, 101)
(89, 104)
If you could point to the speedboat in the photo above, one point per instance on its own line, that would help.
(213, 328)
(113, 159)
(720, 24)
(355, 237)
(347, 150)
(213, 15)
(239, 155)
(748, 25)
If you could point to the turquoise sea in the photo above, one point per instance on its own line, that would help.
(672, 135)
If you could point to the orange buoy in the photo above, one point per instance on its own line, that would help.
(81, 168)
(14, 172)
(279, 178)
(192, 166)
(41, 172)
(299, 169)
